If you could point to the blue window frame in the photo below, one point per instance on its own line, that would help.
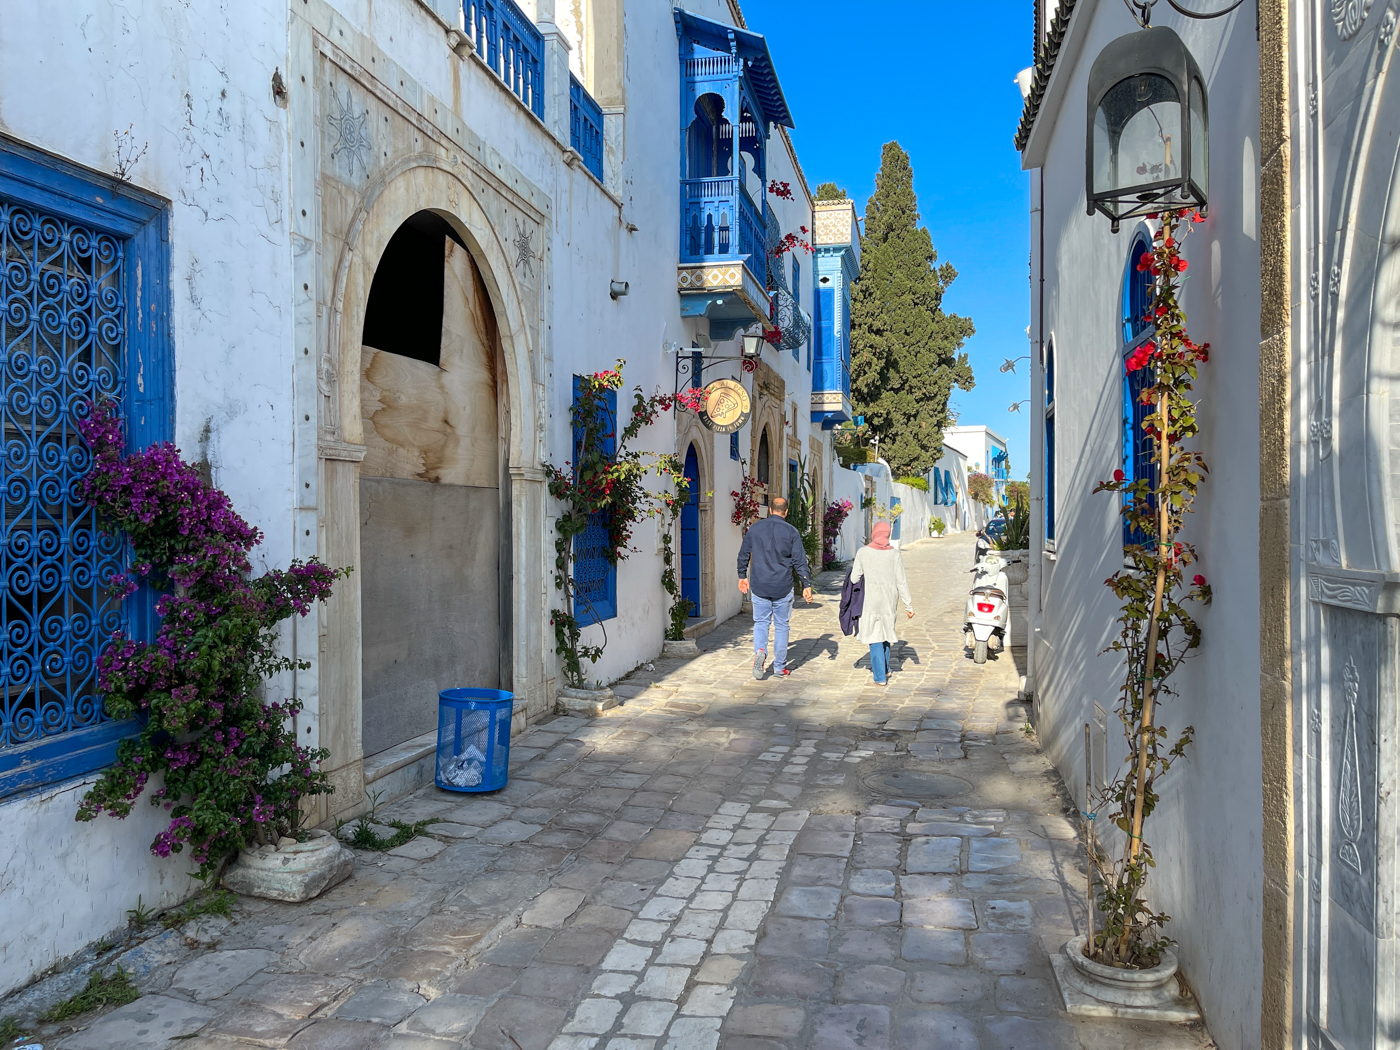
(84, 312)
(734, 446)
(595, 573)
(1049, 453)
(1137, 329)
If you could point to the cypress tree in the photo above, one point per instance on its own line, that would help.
(905, 351)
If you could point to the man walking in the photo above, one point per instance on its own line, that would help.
(775, 549)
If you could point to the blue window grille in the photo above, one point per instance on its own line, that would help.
(1138, 446)
(734, 446)
(595, 572)
(586, 127)
(1050, 442)
(83, 311)
(511, 46)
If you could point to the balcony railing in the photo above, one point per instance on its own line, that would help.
(586, 127)
(709, 210)
(511, 46)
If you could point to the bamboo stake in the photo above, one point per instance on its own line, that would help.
(1089, 829)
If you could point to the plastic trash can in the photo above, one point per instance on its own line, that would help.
(473, 740)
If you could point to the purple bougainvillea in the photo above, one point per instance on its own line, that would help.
(233, 772)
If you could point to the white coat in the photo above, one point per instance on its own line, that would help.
(885, 587)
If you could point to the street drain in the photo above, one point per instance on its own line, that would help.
(751, 712)
(908, 783)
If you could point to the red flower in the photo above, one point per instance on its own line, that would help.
(1118, 475)
(1180, 265)
(1199, 580)
(1144, 263)
(1152, 215)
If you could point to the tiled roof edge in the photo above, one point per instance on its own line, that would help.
(1045, 65)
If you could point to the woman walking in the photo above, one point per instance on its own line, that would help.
(880, 565)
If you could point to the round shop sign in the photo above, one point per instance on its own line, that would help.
(726, 406)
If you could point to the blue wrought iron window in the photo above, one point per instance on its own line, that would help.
(586, 127)
(511, 46)
(84, 265)
(1137, 329)
(595, 572)
(1049, 370)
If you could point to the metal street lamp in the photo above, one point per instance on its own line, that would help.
(1009, 365)
(753, 346)
(1146, 148)
(1016, 407)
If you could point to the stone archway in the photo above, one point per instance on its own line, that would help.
(418, 184)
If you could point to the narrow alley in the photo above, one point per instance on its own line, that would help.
(814, 863)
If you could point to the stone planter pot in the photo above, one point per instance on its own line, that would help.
(1095, 990)
(296, 872)
(588, 702)
(683, 650)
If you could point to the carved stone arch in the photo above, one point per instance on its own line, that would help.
(426, 182)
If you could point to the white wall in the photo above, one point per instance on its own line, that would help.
(1206, 832)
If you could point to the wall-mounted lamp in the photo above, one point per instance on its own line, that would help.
(753, 347)
(1009, 365)
(617, 289)
(1016, 407)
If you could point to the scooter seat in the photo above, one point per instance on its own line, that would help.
(988, 590)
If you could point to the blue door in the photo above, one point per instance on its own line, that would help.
(894, 528)
(690, 535)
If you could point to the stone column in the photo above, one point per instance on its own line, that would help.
(556, 71)
(532, 595)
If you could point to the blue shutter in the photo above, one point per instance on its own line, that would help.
(734, 446)
(1137, 445)
(84, 312)
(595, 573)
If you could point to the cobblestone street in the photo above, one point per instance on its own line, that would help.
(718, 862)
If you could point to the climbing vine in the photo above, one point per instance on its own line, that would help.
(832, 519)
(606, 483)
(1156, 632)
(231, 770)
(745, 499)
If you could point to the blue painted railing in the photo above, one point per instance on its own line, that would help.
(586, 127)
(709, 208)
(511, 46)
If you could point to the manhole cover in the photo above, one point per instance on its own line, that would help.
(908, 783)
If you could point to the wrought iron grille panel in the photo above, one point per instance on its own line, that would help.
(62, 335)
(594, 572)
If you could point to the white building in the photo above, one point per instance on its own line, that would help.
(1275, 837)
(293, 183)
(986, 453)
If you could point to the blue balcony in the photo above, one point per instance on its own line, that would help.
(836, 242)
(511, 45)
(586, 127)
(730, 101)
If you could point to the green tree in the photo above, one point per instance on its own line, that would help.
(829, 191)
(905, 351)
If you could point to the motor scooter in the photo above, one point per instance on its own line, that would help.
(988, 611)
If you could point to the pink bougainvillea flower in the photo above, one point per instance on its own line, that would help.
(1199, 580)
(1118, 475)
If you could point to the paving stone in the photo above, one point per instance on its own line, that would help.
(869, 911)
(624, 955)
(693, 1033)
(870, 984)
(989, 854)
(720, 969)
(1026, 995)
(355, 943)
(518, 948)
(648, 1017)
(519, 1024)
(664, 844)
(593, 1017)
(769, 1019)
(939, 946)
(663, 982)
(957, 987)
(708, 1000)
(218, 973)
(873, 882)
(508, 831)
(379, 1003)
(1009, 953)
(338, 1035)
(914, 886)
(916, 1029)
(420, 848)
(577, 946)
(1006, 915)
(826, 843)
(294, 996)
(932, 855)
(803, 938)
(552, 981)
(484, 981)
(809, 902)
(778, 978)
(852, 1026)
(253, 1024)
(1022, 1033)
(818, 871)
(552, 908)
(949, 913)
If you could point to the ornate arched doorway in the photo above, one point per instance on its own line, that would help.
(430, 499)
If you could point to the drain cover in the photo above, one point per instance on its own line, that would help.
(908, 783)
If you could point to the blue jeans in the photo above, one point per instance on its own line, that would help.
(776, 611)
(880, 660)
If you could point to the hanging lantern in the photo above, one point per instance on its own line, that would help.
(1146, 148)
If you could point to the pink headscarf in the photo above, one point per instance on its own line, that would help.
(880, 536)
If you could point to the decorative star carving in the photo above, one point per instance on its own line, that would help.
(352, 130)
(524, 248)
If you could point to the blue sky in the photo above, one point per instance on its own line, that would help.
(937, 76)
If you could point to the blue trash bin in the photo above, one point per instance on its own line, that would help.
(473, 741)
